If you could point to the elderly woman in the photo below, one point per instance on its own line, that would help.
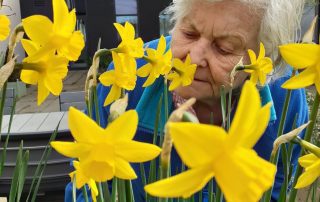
(217, 34)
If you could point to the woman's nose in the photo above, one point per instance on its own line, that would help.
(198, 52)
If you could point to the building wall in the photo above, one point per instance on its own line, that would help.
(15, 20)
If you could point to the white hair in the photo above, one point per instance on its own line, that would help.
(280, 23)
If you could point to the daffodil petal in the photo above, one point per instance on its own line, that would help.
(161, 45)
(121, 31)
(309, 176)
(54, 85)
(251, 175)
(254, 77)
(145, 70)
(262, 52)
(61, 16)
(307, 160)
(182, 185)
(135, 152)
(117, 61)
(71, 149)
(81, 180)
(29, 46)
(43, 92)
(94, 190)
(29, 76)
(123, 170)
(4, 27)
(129, 30)
(252, 56)
(240, 126)
(43, 52)
(178, 64)
(300, 55)
(263, 118)
(58, 67)
(113, 95)
(172, 75)
(107, 78)
(149, 81)
(117, 132)
(193, 140)
(83, 128)
(175, 84)
(303, 79)
(38, 28)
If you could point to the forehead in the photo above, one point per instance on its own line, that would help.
(222, 18)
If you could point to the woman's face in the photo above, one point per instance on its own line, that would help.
(216, 35)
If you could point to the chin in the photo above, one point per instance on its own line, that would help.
(188, 92)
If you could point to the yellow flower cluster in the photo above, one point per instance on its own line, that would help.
(159, 62)
(104, 153)
(260, 67)
(51, 46)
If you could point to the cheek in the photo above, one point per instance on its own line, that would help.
(179, 46)
(221, 67)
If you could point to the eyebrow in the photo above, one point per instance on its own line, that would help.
(222, 36)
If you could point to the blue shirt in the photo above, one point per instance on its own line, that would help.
(145, 101)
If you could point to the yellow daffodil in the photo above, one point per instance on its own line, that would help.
(182, 74)
(209, 151)
(82, 179)
(159, 63)
(129, 45)
(122, 77)
(57, 36)
(259, 67)
(47, 72)
(4, 27)
(105, 153)
(302, 56)
(311, 163)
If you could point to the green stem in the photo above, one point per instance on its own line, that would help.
(274, 158)
(146, 58)
(100, 196)
(166, 105)
(2, 101)
(96, 105)
(165, 164)
(85, 193)
(307, 138)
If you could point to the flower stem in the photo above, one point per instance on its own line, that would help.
(275, 156)
(167, 142)
(85, 193)
(307, 145)
(100, 198)
(307, 138)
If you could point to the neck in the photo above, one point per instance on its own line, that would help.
(209, 111)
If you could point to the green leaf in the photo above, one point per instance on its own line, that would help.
(22, 173)
(114, 190)
(15, 178)
(40, 168)
(4, 151)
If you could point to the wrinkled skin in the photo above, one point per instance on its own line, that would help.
(216, 35)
